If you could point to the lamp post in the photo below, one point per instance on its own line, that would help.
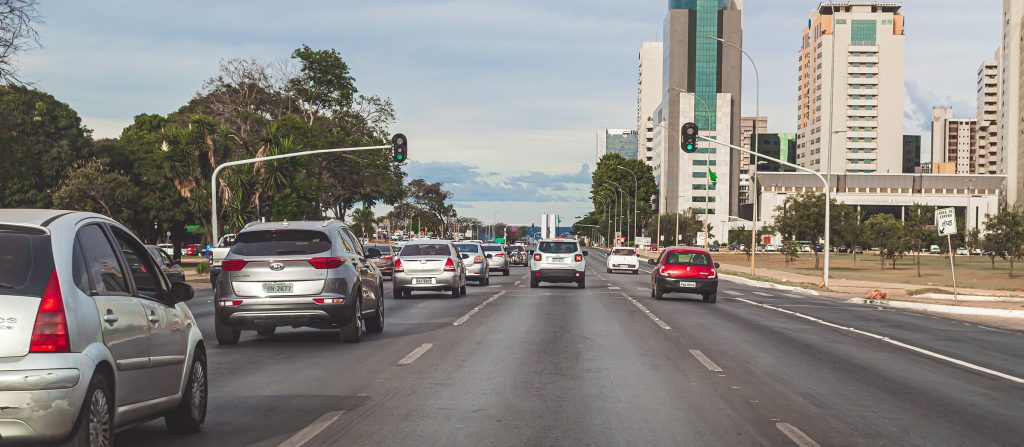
(622, 194)
(636, 194)
(707, 162)
(753, 136)
(599, 194)
(616, 206)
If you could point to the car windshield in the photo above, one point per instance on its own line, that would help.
(467, 248)
(425, 250)
(624, 252)
(281, 242)
(557, 247)
(492, 248)
(684, 258)
(386, 249)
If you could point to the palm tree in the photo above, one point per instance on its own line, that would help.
(363, 220)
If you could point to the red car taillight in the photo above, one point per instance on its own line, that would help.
(233, 265)
(662, 271)
(478, 260)
(536, 257)
(579, 258)
(388, 257)
(398, 266)
(499, 255)
(50, 333)
(326, 263)
(449, 265)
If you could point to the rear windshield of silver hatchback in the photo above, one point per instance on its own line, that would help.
(281, 243)
(557, 247)
(26, 261)
(425, 250)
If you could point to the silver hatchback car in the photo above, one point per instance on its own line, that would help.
(298, 274)
(429, 265)
(497, 259)
(93, 337)
(474, 258)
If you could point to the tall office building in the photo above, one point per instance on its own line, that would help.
(851, 88)
(648, 97)
(911, 153)
(617, 141)
(746, 131)
(1011, 108)
(777, 145)
(954, 141)
(989, 159)
(701, 83)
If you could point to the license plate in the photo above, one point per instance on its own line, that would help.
(277, 287)
(423, 280)
(557, 259)
(689, 284)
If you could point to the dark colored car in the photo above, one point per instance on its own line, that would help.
(172, 269)
(517, 255)
(685, 270)
(386, 261)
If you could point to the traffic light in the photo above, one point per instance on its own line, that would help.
(399, 147)
(265, 200)
(689, 134)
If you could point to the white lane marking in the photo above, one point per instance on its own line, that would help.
(476, 309)
(733, 292)
(704, 360)
(516, 284)
(799, 438)
(649, 313)
(415, 354)
(311, 430)
(613, 288)
(883, 338)
(762, 293)
(793, 295)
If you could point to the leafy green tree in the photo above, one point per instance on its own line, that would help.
(919, 224)
(364, 222)
(324, 84)
(790, 250)
(887, 233)
(689, 223)
(630, 175)
(40, 139)
(848, 226)
(1006, 233)
(802, 217)
(92, 186)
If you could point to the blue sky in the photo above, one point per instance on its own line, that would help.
(500, 99)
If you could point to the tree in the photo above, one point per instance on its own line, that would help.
(324, 84)
(790, 250)
(802, 217)
(848, 227)
(92, 186)
(1006, 229)
(363, 221)
(40, 139)
(17, 35)
(689, 225)
(614, 168)
(887, 233)
(919, 224)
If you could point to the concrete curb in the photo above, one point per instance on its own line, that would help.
(769, 285)
(942, 308)
(949, 297)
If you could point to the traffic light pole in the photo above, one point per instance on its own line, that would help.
(213, 182)
(828, 196)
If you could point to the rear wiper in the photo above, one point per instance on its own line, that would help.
(4, 285)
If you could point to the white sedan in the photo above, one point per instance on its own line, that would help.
(624, 258)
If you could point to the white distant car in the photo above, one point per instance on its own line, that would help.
(166, 248)
(624, 258)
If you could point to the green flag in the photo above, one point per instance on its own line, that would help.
(712, 176)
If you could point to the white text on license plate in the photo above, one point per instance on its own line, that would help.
(277, 287)
(423, 280)
(690, 284)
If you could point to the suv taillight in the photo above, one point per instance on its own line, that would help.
(536, 257)
(499, 255)
(579, 258)
(398, 266)
(50, 333)
(449, 265)
(233, 265)
(326, 263)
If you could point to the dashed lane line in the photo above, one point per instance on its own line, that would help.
(649, 313)
(704, 360)
(799, 438)
(885, 339)
(762, 293)
(733, 292)
(476, 309)
(303, 436)
(415, 354)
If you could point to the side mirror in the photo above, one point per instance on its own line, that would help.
(717, 265)
(181, 292)
(373, 253)
(490, 256)
(652, 262)
(586, 253)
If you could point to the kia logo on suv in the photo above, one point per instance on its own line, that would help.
(276, 266)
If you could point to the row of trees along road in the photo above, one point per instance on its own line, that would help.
(801, 217)
(155, 177)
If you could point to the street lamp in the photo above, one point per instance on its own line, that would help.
(753, 180)
(622, 194)
(707, 178)
(615, 207)
(636, 195)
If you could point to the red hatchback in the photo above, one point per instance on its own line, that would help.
(685, 270)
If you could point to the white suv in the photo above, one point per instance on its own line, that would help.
(623, 258)
(558, 261)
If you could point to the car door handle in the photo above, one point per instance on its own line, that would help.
(153, 318)
(110, 317)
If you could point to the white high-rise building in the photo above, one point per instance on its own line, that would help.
(989, 160)
(1011, 65)
(954, 141)
(851, 88)
(648, 98)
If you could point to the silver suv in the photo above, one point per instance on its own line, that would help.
(93, 337)
(298, 274)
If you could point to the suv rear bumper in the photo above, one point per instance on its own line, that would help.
(251, 316)
(558, 275)
(701, 285)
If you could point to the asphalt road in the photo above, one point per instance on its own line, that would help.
(609, 365)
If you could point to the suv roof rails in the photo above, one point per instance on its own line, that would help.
(251, 223)
(328, 222)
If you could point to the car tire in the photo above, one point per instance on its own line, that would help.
(352, 332)
(658, 293)
(376, 323)
(190, 414)
(582, 284)
(534, 283)
(636, 272)
(406, 293)
(455, 292)
(462, 290)
(266, 331)
(505, 273)
(96, 417)
(711, 297)
(226, 334)
(396, 293)
(487, 280)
